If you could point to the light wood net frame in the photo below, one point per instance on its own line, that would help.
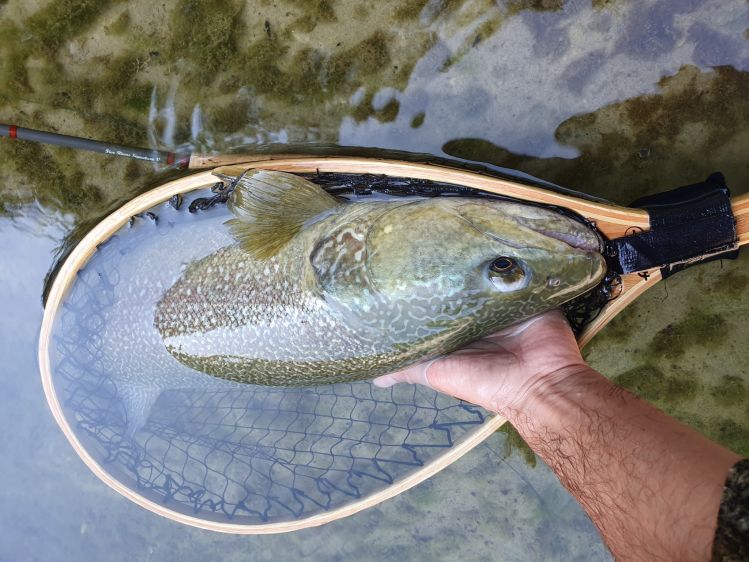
(613, 221)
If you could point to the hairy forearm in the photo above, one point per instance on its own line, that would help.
(650, 484)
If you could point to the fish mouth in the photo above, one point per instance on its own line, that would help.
(585, 240)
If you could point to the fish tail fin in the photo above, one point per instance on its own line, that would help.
(137, 401)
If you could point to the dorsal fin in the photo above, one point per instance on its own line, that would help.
(272, 207)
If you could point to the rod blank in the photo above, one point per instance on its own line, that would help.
(155, 156)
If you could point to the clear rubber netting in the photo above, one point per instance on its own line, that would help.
(243, 455)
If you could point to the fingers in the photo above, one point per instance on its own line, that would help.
(489, 372)
(456, 375)
(415, 374)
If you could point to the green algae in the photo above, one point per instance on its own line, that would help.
(720, 429)
(133, 171)
(730, 433)
(113, 103)
(369, 56)
(315, 12)
(120, 73)
(61, 20)
(650, 383)
(409, 10)
(257, 66)
(363, 110)
(120, 25)
(515, 6)
(641, 139)
(14, 75)
(418, 120)
(204, 31)
(732, 282)
(601, 4)
(730, 391)
(229, 118)
(311, 75)
(484, 31)
(116, 128)
(389, 112)
(54, 184)
(697, 329)
(513, 443)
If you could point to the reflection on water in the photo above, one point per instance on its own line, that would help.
(613, 97)
(696, 123)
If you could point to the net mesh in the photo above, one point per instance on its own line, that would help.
(252, 455)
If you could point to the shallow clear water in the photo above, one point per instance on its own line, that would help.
(613, 98)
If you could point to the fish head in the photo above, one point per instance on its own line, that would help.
(493, 261)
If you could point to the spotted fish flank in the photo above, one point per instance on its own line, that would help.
(317, 290)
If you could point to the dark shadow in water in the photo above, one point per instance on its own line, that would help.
(695, 125)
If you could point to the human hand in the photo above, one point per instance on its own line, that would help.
(500, 371)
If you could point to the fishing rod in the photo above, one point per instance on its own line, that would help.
(145, 154)
(178, 160)
(198, 161)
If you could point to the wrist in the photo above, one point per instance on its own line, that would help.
(535, 393)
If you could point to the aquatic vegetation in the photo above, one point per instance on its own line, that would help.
(723, 430)
(204, 31)
(733, 282)
(60, 20)
(228, 118)
(698, 328)
(311, 75)
(365, 109)
(514, 443)
(315, 11)
(731, 433)
(644, 137)
(484, 30)
(389, 112)
(410, 9)
(685, 365)
(120, 25)
(418, 120)
(57, 183)
(650, 383)
(515, 6)
(730, 391)
(14, 75)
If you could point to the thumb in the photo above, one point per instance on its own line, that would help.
(455, 377)
(415, 374)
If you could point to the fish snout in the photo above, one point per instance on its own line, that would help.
(583, 271)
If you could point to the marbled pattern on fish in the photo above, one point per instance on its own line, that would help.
(361, 289)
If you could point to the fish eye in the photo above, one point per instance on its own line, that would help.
(502, 264)
(507, 274)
